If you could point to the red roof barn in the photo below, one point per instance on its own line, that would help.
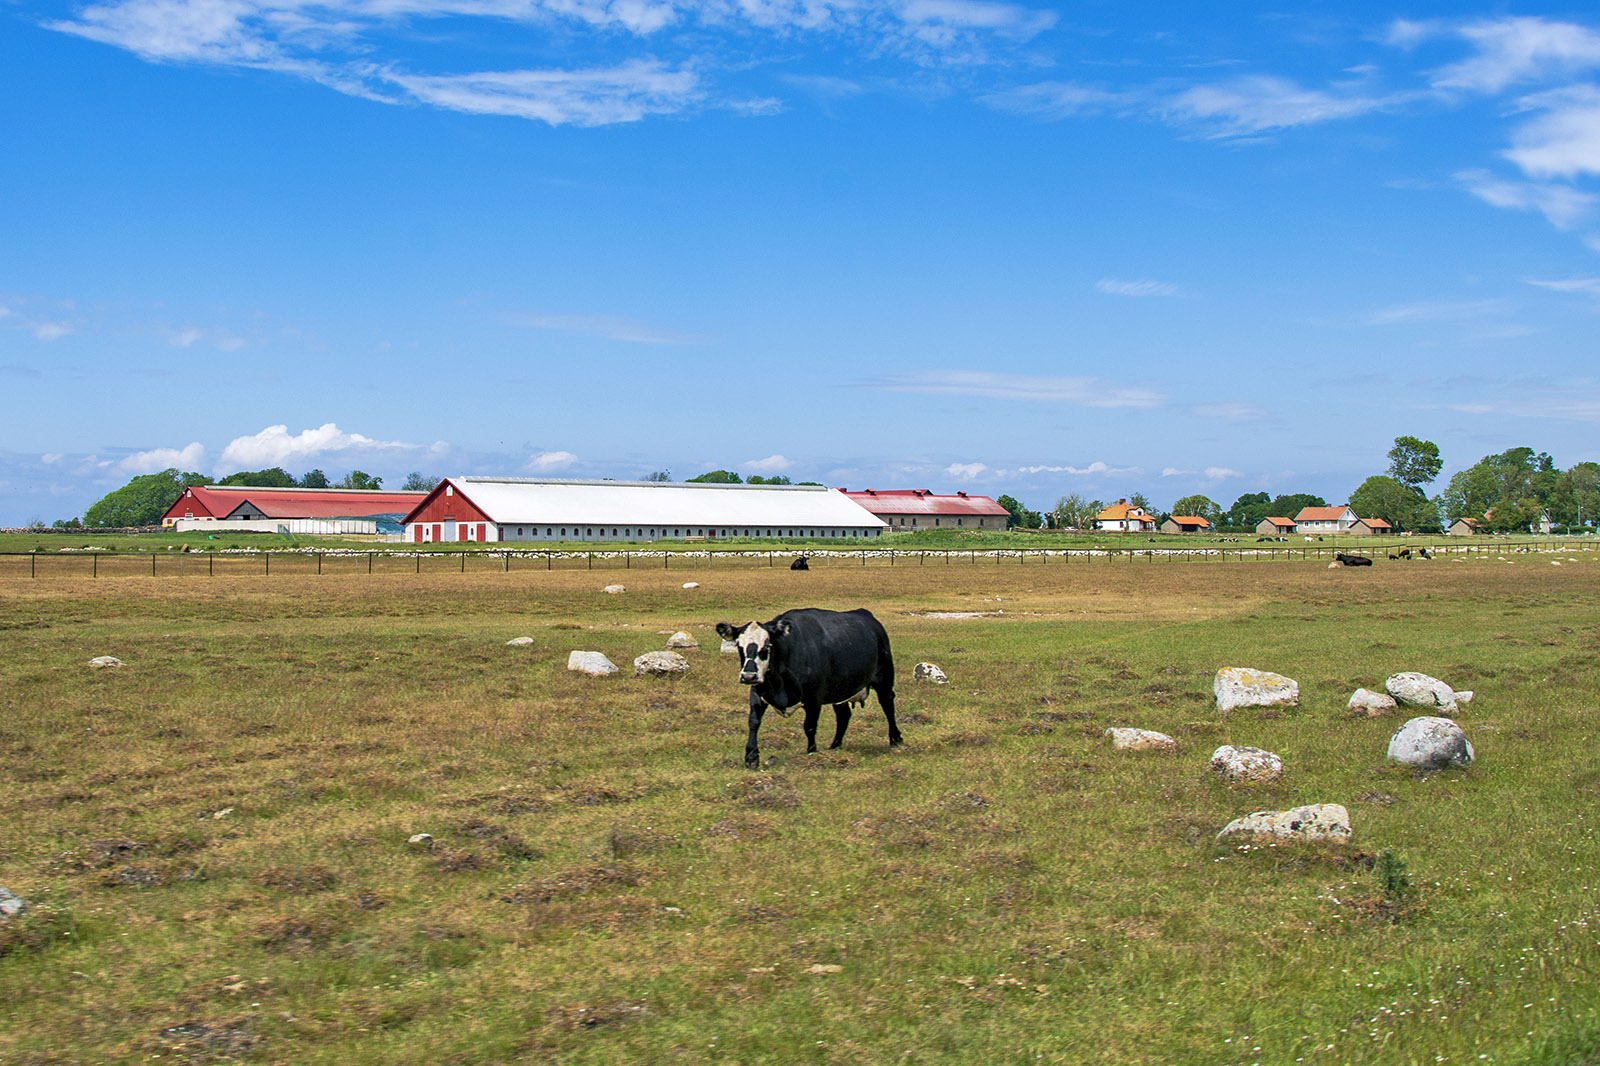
(920, 509)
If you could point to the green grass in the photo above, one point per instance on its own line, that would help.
(606, 884)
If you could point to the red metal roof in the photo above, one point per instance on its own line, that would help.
(923, 502)
(218, 502)
(1322, 514)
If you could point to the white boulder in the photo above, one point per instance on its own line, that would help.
(592, 663)
(1242, 686)
(11, 904)
(614, 589)
(103, 662)
(680, 639)
(1374, 704)
(1420, 690)
(1140, 740)
(1314, 823)
(691, 584)
(929, 672)
(519, 642)
(660, 663)
(1237, 765)
(1430, 743)
(729, 646)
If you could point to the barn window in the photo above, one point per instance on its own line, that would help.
(563, 531)
(449, 490)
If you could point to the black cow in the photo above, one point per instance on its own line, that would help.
(1352, 560)
(811, 657)
(800, 564)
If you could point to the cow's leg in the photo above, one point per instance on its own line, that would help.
(841, 717)
(752, 753)
(813, 714)
(886, 699)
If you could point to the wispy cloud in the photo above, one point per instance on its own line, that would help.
(1405, 314)
(1506, 51)
(1564, 140)
(595, 97)
(772, 464)
(1232, 411)
(1093, 469)
(547, 462)
(1142, 287)
(155, 460)
(1053, 100)
(1585, 286)
(1261, 103)
(1079, 391)
(607, 327)
(275, 446)
(965, 471)
(1563, 205)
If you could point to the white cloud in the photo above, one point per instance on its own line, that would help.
(187, 335)
(1259, 103)
(1052, 100)
(1562, 205)
(1510, 51)
(49, 331)
(546, 462)
(1218, 473)
(156, 460)
(595, 97)
(1588, 286)
(1093, 468)
(1082, 391)
(608, 327)
(1564, 141)
(772, 464)
(1142, 287)
(965, 471)
(1435, 312)
(276, 446)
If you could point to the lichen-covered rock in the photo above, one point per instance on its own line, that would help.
(519, 642)
(1420, 690)
(105, 662)
(929, 672)
(1241, 765)
(1372, 704)
(1313, 824)
(680, 639)
(729, 648)
(1464, 696)
(1242, 686)
(1140, 740)
(1431, 743)
(660, 663)
(691, 584)
(11, 904)
(614, 589)
(592, 663)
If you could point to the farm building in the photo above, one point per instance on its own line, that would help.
(1275, 527)
(294, 511)
(1325, 519)
(555, 509)
(1124, 517)
(1463, 527)
(1370, 527)
(1181, 523)
(920, 509)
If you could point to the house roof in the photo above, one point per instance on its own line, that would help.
(297, 503)
(1121, 510)
(1374, 523)
(1322, 514)
(1469, 521)
(541, 501)
(1279, 521)
(1190, 520)
(923, 502)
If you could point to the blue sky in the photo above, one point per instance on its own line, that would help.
(949, 244)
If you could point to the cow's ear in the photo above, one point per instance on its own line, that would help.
(778, 629)
(725, 631)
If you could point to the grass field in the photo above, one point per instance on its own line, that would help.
(213, 839)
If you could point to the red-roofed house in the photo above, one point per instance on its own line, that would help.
(907, 509)
(1275, 527)
(1325, 519)
(1125, 517)
(1180, 523)
(1369, 527)
(273, 510)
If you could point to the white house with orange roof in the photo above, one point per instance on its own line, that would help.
(1125, 517)
(1325, 519)
(1186, 523)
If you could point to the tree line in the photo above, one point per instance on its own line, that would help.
(145, 499)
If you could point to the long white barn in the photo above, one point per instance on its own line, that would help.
(486, 509)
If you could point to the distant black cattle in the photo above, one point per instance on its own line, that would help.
(1424, 553)
(1352, 560)
(811, 657)
(1405, 553)
(800, 564)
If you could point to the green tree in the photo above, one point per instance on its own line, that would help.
(1576, 499)
(1017, 511)
(314, 479)
(719, 477)
(1403, 506)
(1511, 477)
(1140, 500)
(775, 479)
(1414, 462)
(1072, 512)
(1249, 509)
(659, 475)
(1199, 506)
(142, 501)
(416, 481)
(275, 477)
(359, 479)
(1292, 504)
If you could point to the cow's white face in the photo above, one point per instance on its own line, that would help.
(754, 642)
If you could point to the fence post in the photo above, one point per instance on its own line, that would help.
(33, 564)
(319, 564)
(152, 564)
(211, 564)
(96, 571)
(369, 562)
(418, 557)
(267, 558)
(591, 560)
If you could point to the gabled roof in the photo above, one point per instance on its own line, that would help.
(1190, 520)
(1473, 522)
(552, 501)
(1121, 510)
(923, 502)
(1374, 523)
(223, 500)
(1279, 521)
(1322, 514)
